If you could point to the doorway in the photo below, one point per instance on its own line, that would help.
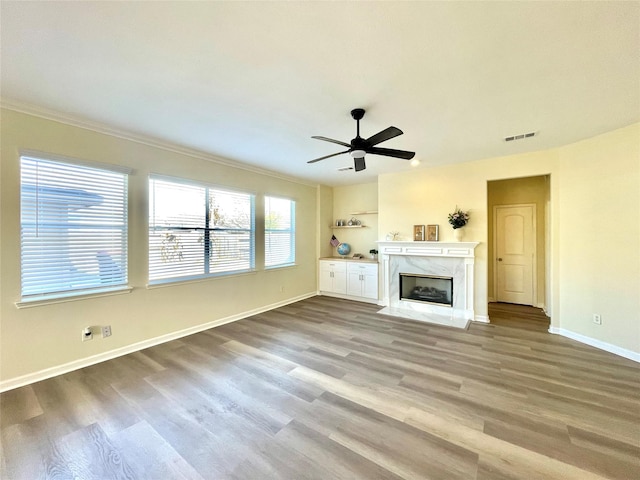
(518, 245)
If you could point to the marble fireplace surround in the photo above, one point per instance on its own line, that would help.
(451, 259)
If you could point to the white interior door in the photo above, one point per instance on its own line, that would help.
(515, 252)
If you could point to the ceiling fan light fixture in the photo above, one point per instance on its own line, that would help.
(357, 153)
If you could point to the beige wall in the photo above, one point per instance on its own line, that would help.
(346, 202)
(33, 339)
(594, 264)
(528, 190)
(325, 220)
(599, 238)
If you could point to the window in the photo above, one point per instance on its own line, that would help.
(197, 231)
(73, 222)
(279, 232)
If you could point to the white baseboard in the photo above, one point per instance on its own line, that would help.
(481, 318)
(349, 297)
(607, 347)
(16, 382)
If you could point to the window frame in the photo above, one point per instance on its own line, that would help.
(207, 232)
(56, 293)
(291, 261)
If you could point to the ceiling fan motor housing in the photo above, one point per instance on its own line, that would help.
(357, 113)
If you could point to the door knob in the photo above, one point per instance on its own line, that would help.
(499, 259)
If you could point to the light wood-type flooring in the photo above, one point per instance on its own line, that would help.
(329, 389)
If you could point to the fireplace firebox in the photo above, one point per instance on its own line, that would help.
(426, 288)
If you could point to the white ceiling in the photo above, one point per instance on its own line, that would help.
(253, 81)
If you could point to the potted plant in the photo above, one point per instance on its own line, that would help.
(458, 219)
(373, 252)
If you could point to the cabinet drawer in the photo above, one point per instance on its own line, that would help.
(333, 266)
(364, 268)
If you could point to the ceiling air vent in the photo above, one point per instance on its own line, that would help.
(519, 137)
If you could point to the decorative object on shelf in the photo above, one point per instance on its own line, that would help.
(334, 241)
(392, 236)
(374, 253)
(344, 249)
(418, 233)
(432, 233)
(458, 218)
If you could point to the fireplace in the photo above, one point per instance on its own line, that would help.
(433, 289)
(408, 294)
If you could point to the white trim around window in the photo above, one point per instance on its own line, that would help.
(74, 229)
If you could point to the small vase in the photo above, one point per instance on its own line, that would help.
(458, 234)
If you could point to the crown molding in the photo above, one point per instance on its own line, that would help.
(74, 121)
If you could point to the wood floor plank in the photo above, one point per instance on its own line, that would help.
(337, 461)
(328, 389)
(18, 406)
(150, 456)
(89, 454)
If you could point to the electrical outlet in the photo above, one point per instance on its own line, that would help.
(87, 334)
(106, 331)
(597, 319)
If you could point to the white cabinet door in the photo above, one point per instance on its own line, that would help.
(340, 281)
(370, 285)
(326, 278)
(333, 277)
(354, 283)
(362, 280)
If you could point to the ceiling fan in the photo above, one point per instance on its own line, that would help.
(360, 146)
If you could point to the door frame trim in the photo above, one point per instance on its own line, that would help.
(534, 266)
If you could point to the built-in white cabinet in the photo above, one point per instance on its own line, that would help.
(354, 279)
(333, 276)
(362, 279)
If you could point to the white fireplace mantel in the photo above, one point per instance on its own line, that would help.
(430, 249)
(456, 257)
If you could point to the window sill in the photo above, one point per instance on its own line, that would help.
(71, 297)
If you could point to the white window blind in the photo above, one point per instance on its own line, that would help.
(198, 231)
(73, 228)
(279, 232)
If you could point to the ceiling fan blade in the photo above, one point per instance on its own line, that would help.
(384, 135)
(332, 141)
(390, 152)
(359, 164)
(327, 156)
